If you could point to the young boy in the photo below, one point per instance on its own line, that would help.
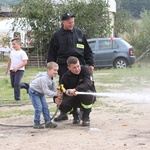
(16, 64)
(44, 84)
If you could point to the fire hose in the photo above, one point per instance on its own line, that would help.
(60, 88)
(24, 126)
(69, 91)
(132, 96)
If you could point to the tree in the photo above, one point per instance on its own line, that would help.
(143, 33)
(139, 34)
(40, 16)
(92, 17)
(134, 30)
(6, 2)
(43, 16)
(124, 22)
(134, 6)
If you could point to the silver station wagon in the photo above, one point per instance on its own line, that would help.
(112, 52)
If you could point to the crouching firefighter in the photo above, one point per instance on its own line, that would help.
(77, 78)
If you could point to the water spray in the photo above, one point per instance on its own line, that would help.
(132, 96)
(141, 97)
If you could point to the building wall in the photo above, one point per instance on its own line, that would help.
(112, 5)
(112, 13)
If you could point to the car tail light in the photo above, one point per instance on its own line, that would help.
(130, 52)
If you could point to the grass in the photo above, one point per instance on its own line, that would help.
(106, 80)
(6, 90)
(135, 77)
(7, 97)
(11, 113)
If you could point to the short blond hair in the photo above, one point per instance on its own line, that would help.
(51, 65)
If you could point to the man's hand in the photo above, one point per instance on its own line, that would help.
(71, 92)
(91, 68)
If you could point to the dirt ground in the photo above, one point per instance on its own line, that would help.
(116, 124)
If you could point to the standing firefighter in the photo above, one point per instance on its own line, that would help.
(69, 41)
(77, 78)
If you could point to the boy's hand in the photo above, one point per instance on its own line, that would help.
(15, 69)
(6, 73)
(60, 94)
(58, 100)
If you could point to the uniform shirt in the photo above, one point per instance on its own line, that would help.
(81, 82)
(17, 57)
(44, 84)
(65, 43)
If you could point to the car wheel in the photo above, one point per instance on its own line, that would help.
(120, 63)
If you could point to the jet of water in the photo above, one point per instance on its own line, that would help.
(141, 97)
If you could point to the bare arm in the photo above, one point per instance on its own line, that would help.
(8, 66)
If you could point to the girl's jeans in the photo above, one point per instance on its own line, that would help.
(40, 105)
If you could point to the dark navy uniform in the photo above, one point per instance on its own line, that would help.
(65, 43)
(82, 82)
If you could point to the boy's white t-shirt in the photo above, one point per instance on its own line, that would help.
(17, 57)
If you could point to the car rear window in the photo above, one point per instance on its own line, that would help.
(125, 43)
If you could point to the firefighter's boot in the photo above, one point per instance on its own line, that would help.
(80, 113)
(86, 118)
(76, 119)
(62, 116)
(49, 124)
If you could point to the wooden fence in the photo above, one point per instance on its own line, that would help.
(36, 60)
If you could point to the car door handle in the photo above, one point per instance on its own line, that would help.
(114, 51)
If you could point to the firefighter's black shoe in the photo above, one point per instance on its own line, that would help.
(50, 125)
(76, 121)
(37, 125)
(80, 113)
(61, 117)
(86, 122)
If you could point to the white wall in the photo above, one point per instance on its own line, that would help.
(112, 5)
(6, 26)
(112, 12)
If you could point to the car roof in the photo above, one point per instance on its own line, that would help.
(120, 40)
(104, 39)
